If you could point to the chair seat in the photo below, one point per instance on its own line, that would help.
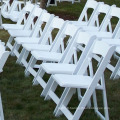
(5, 14)
(101, 34)
(19, 33)
(31, 47)
(47, 56)
(90, 28)
(58, 68)
(15, 16)
(12, 26)
(74, 81)
(32, 40)
(113, 42)
(82, 23)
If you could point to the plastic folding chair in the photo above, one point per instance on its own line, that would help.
(52, 3)
(14, 10)
(91, 83)
(23, 19)
(43, 43)
(70, 1)
(68, 61)
(56, 51)
(103, 28)
(84, 19)
(112, 34)
(28, 28)
(104, 10)
(3, 55)
(1, 110)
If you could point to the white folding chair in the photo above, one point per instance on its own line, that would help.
(1, 110)
(28, 28)
(13, 11)
(84, 19)
(91, 83)
(50, 3)
(70, 1)
(94, 20)
(68, 61)
(103, 28)
(3, 55)
(36, 34)
(56, 51)
(43, 43)
(23, 19)
(111, 34)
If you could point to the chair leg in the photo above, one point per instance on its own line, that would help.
(68, 93)
(51, 89)
(8, 45)
(95, 102)
(24, 58)
(105, 102)
(38, 78)
(29, 69)
(48, 85)
(114, 73)
(20, 56)
(15, 48)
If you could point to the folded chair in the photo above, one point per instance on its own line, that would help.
(28, 28)
(23, 19)
(3, 55)
(91, 83)
(43, 43)
(56, 51)
(12, 10)
(1, 110)
(36, 34)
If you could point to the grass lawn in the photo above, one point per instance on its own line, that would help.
(22, 101)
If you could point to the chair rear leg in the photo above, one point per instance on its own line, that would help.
(20, 56)
(38, 78)
(114, 73)
(15, 49)
(29, 69)
(8, 45)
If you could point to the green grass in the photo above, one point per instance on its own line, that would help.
(22, 101)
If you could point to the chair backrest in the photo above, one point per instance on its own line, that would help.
(37, 12)
(101, 9)
(89, 4)
(107, 25)
(76, 47)
(56, 24)
(7, 6)
(28, 9)
(42, 24)
(65, 38)
(100, 48)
